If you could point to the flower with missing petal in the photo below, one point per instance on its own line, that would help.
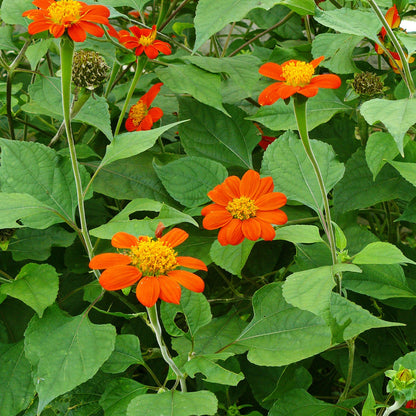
(153, 263)
(244, 208)
(75, 17)
(143, 40)
(294, 77)
(141, 116)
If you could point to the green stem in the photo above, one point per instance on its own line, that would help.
(139, 69)
(67, 52)
(351, 351)
(110, 81)
(395, 406)
(407, 76)
(157, 329)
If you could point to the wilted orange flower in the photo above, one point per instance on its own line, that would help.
(411, 404)
(144, 40)
(393, 20)
(77, 17)
(141, 117)
(295, 77)
(153, 263)
(244, 208)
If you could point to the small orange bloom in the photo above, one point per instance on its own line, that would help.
(244, 208)
(77, 17)
(144, 40)
(153, 263)
(141, 117)
(295, 77)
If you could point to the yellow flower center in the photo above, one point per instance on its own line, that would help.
(65, 12)
(242, 208)
(138, 112)
(148, 40)
(152, 257)
(297, 73)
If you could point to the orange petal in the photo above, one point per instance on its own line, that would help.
(277, 216)
(119, 277)
(219, 195)
(209, 208)
(232, 186)
(275, 91)
(267, 231)
(170, 291)
(251, 229)
(326, 81)
(77, 33)
(148, 290)
(151, 94)
(175, 237)
(156, 113)
(250, 183)
(187, 279)
(309, 91)
(270, 201)
(191, 263)
(231, 233)
(162, 47)
(317, 61)
(151, 52)
(124, 240)
(272, 70)
(216, 219)
(266, 186)
(103, 261)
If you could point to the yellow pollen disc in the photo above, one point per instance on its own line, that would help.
(242, 208)
(138, 112)
(152, 257)
(148, 40)
(65, 12)
(297, 73)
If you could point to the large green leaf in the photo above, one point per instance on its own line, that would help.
(299, 234)
(380, 252)
(279, 333)
(212, 134)
(36, 285)
(189, 179)
(397, 116)
(320, 109)
(174, 403)
(74, 351)
(285, 160)
(189, 79)
(17, 388)
(12, 10)
(32, 168)
(407, 170)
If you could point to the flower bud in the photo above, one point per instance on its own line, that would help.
(89, 69)
(367, 84)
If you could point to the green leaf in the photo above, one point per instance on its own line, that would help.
(285, 160)
(369, 407)
(75, 351)
(380, 148)
(397, 116)
(409, 214)
(407, 170)
(36, 285)
(194, 307)
(11, 11)
(35, 52)
(213, 135)
(32, 168)
(189, 79)
(189, 179)
(37, 244)
(279, 333)
(299, 234)
(338, 49)
(320, 109)
(174, 403)
(130, 144)
(380, 253)
(17, 388)
(231, 258)
(118, 395)
(354, 22)
(408, 40)
(311, 289)
(126, 352)
(6, 42)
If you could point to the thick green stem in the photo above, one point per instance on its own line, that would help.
(157, 329)
(139, 69)
(395, 406)
(67, 52)
(351, 352)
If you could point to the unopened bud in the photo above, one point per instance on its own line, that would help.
(89, 69)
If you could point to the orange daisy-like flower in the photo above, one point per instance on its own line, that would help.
(144, 40)
(295, 77)
(76, 17)
(141, 116)
(153, 263)
(244, 208)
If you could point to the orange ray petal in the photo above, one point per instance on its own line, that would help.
(170, 291)
(209, 208)
(145, 124)
(232, 186)
(151, 52)
(124, 240)
(162, 47)
(277, 216)
(175, 237)
(267, 231)
(272, 70)
(148, 290)
(105, 260)
(151, 94)
(250, 183)
(119, 277)
(275, 91)
(187, 279)
(216, 219)
(156, 113)
(191, 263)
(317, 61)
(77, 33)
(231, 233)
(266, 186)
(326, 81)
(309, 91)
(251, 229)
(219, 196)
(270, 201)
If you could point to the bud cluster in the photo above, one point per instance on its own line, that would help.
(89, 70)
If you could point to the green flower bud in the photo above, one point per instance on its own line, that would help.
(367, 84)
(400, 380)
(89, 69)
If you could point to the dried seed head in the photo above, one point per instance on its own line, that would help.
(367, 84)
(89, 69)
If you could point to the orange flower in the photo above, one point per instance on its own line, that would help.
(77, 17)
(295, 77)
(244, 208)
(144, 40)
(153, 263)
(141, 117)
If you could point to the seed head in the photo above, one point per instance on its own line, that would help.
(89, 69)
